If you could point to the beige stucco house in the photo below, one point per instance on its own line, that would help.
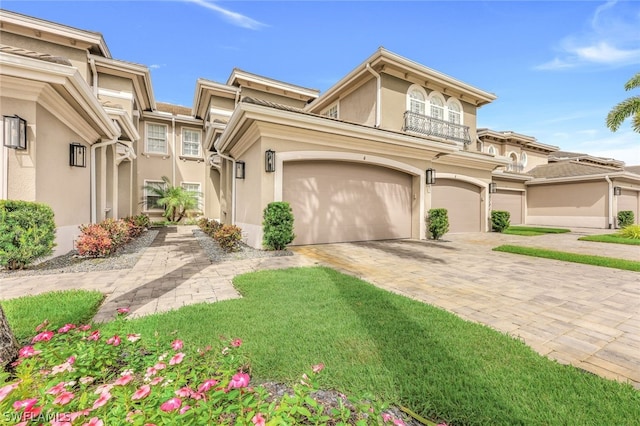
(352, 161)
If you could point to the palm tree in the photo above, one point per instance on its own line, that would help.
(627, 108)
(175, 200)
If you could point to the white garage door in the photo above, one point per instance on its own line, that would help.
(628, 200)
(341, 201)
(462, 201)
(510, 201)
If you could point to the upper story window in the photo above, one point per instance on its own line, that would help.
(437, 106)
(332, 111)
(491, 150)
(190, 143)
(417, 101)
(156, 140)
(523, 159)
(454, 111)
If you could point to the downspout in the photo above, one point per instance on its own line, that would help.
(94, 75)
(175, 156)
(94, 190)
(233, 186)
(610, 201)
(378, 93)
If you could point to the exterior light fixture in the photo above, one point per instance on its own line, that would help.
(431, 176)
(77, 155)
(15, 132)
(239, 169)
(493, 188)
(269, 161)
(617, 190)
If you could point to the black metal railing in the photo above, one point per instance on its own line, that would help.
(430, 126)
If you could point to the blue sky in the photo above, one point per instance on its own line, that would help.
(557, 67)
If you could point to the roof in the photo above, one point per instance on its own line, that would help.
(511, 136)
(578, 156)
(570, 169)
(35, 55)
(633, 169)
(173, 109)
(239, 77)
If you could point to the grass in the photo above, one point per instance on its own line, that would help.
(529, 231)
(60, 307)
(611, 238)
(609, 262)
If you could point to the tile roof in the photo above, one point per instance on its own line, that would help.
(570, 169)
(35, 55)
(633, 169)
(173, 109)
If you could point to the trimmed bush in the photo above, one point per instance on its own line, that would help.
(118, 231)
(630, 231)
(228, 237)
(625, 218)
(437, 223)
(277, 225)
(94, 241)
(500, 220)
(27, 232)
(209, 226)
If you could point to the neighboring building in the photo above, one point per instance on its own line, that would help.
(352, 161)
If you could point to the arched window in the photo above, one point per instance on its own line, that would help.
(417, 100)
(454, 111)
(437, 105)
(523, 159)
(491, 150)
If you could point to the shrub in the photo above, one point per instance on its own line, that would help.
(437, 223)
(94, 241)
(277, 225)
(27, 232)
(228, 237)
(630, 231)
(625, 218)
(76, 375)
(118, 231)
(209, 226)
(500, 220)
(137, 224)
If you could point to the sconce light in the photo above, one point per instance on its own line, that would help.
(617, 190)
(239, 169)
(493, 188)
(77, 155)
(269, 161)
(15, 132)
(431, 176)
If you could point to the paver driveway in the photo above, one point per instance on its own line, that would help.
(584, 315)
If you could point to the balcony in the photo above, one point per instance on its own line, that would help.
(429, 126)
(515, 168)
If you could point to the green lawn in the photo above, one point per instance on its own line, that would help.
(610, 238)
(609, 262)
(401, 350)
(529, 231)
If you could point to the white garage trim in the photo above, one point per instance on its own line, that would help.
(282, 157)
(483, 193)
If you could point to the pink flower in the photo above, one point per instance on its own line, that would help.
(258, 420)
(156, 380)
(86, 380)
(133, 337)
(95, 335)
(317, 368)
(27, 404)
(45, 336)
(71, 360)
(176, 359)
(76, 414)
(64, 398)
(123, 380)
(66, 328)
(94, 421)
(55, 390)
(102, 400)
(207, 384)
(65, 366)
(103, 388)
(85, 327)
(398, 422)
(386, 417)
(239, 380)
(236, 343)
(123, 311)
(60, 423)
(185, 409)
(160, 366)
(171, 405)
(184, 392)
(177, 345)
(42, 325)
(6, 390)
(142, 392)
(28, 351)
(115, 340)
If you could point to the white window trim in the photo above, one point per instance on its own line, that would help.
(337, 107)
(200, 196)
(491, 150)
(524, 159)
(424, 94)
(146, 139)
(516, 155)
(195, 130)
(146, 183)
(451, 101)
(435, 94)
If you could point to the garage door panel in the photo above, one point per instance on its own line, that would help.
(510, 201)
(338, 202)
(462, 201)
(628, 200)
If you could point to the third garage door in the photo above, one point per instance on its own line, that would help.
(462, 201)
(511, 201)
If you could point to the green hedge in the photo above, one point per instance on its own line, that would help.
(437, 223)
(27, 232)
(500, 220)
(625, 218)
(277, 225)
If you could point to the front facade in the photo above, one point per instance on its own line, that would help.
(352, 162)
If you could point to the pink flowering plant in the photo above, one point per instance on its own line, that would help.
(76, 375)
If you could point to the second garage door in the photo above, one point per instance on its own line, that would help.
(628, 200)
(511, 201)
(462, 201)
(341, 201)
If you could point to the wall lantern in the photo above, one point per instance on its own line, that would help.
(239, 169)
(493, 188)
(431, 176)
(15, 132)
(617, 190)
(269, 161)
(77, 155)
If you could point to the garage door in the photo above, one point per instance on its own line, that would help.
(462, 201)
(341, 201)
(628, 200)
(510, 201)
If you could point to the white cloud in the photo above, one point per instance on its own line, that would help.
(156, 66)
(611, 40)
(233, 17)
(623, 145)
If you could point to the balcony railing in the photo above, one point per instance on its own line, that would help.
(515, 168)
(430, 126)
